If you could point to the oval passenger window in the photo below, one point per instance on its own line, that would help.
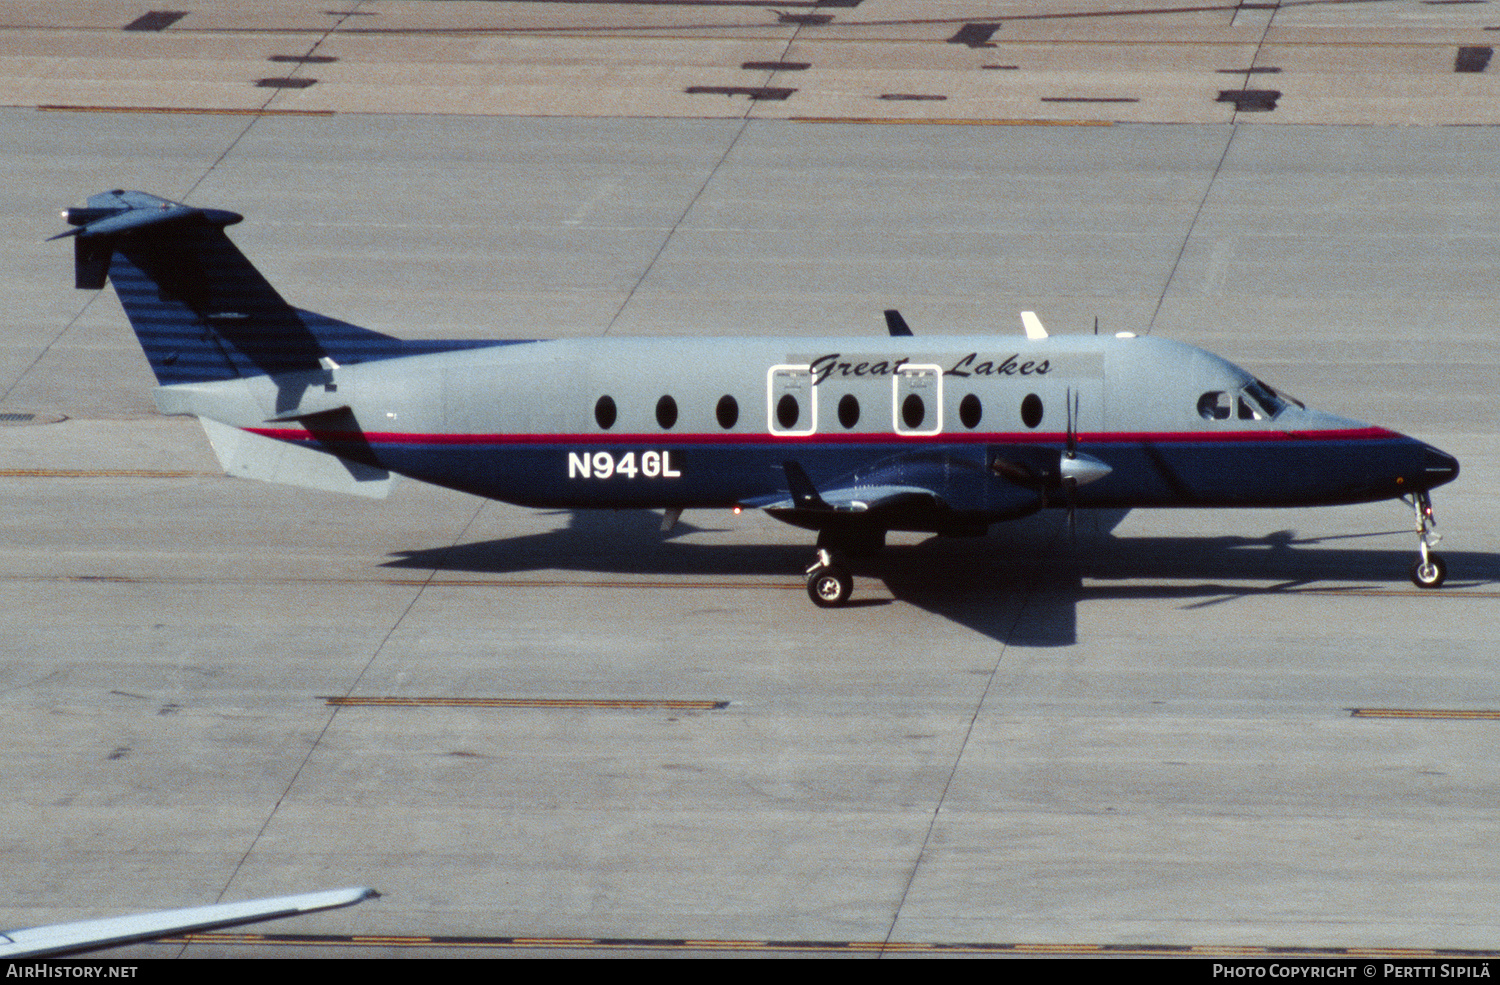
(1031, 410)
(913, 411)
(604, 412)
(666, 413)
(970, 411)
(728, 412)
(787, 411)
(848, 410)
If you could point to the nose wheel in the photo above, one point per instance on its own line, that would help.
(1430, 571)
(829, 583)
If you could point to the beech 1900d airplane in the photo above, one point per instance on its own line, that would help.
(850, 438)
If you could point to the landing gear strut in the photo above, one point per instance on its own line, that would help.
(829, 583)
(1429, 571)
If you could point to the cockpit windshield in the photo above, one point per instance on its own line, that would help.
(1263, 397)
(1283, 396)
(1255, 401)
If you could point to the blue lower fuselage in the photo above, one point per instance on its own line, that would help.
(1249, 468)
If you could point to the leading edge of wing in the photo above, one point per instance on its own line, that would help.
(88, 935)
(853, 499)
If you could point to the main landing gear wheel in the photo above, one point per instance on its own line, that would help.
(829, 584)
(1430, 573)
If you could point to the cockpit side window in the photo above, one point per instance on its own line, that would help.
(1215, 405)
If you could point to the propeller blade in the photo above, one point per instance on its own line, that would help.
(1072, 407)
(1070, 480)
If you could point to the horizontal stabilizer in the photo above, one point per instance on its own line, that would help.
(251, 456)
(127, 219)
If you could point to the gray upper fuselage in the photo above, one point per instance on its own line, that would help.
(1134, 384)
(713, 421)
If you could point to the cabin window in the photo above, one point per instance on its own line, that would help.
(913, 411)
(1031, 410)
(848, 410)
(728, 412)
(605, 413)
(787, 411)
(970, 411)
(666, 413)
(1215, 405)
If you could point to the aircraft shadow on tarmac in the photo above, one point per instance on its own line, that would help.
(979, 583)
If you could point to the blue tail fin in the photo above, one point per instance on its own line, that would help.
(200, 309)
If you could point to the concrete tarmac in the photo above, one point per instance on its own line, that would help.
(1139, 737)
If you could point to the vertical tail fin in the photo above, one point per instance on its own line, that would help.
(200, 309)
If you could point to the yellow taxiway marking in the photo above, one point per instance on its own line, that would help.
(186, 110)
(952, 122)
(1087, 592)
(1449, 713)
(691, 944)
(103, 474)
(672, 704)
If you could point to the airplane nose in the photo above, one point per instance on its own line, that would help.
(1438, 467)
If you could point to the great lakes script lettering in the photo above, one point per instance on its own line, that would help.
(1013, 365)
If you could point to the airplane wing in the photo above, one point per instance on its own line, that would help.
(913, 491)
(853, 499)
(90, 935)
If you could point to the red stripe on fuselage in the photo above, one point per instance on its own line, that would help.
(887, 438)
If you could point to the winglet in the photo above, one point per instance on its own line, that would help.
(804, 493)
(895, 323)
(1033, 325)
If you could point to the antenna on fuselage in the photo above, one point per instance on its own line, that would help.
(895, 323)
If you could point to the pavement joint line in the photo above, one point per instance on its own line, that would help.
(671, 704)
(1458, 714)
(106, 474)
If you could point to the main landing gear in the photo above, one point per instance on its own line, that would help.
(829, 583)
(1429, 571)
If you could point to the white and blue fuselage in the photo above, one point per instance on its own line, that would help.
(852, 437)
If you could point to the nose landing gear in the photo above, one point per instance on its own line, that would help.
(1429, 571)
